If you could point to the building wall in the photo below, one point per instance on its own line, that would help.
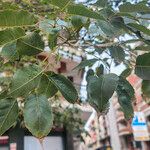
(124, 140)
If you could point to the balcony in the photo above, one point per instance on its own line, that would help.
(119, 116)
(124, 129)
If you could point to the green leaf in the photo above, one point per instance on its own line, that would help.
(139, 28)
(8, 114)
(9, 51)
(3, 94)
(85, 63)
(100, 90)
(130, 8)
(143, 48)
(38, 115)
(107, 13)
(100, 70)
(125, 95)
(108, 28)
(118, 22)
(100, 3)
(117, 53)
(46, 87)
(83, 11)
(146, 88)
(9, 35)
(29, 45)
(65, 86)
(13, 18)
(8, 5)
(62, 4)
(78, 22)
(125, 14)
(52, 40)
(142, 68)
(24, 81)
(126, 73)
(90, 73)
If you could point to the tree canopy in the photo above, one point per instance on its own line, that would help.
(106, 31)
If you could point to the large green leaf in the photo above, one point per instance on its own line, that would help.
(139, 28)
(142, 68)
(117, 53)
(24, 81)
(46, 87)
(13, 18)
(129, 8)
(146, 88)
(65, 86)
(125, 96)
(31, 44)
(9, 51)
(83, 11)
(9, 35)
(100, 90)
(38, 115)
(8, 114)
(85, 63)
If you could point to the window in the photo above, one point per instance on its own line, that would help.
(62, 68)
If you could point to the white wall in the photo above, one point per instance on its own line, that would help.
(49, 143)
(114, 136)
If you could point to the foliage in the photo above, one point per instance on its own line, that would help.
(98, 29)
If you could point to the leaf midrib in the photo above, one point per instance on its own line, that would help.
(26, 82)
(7, 114)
